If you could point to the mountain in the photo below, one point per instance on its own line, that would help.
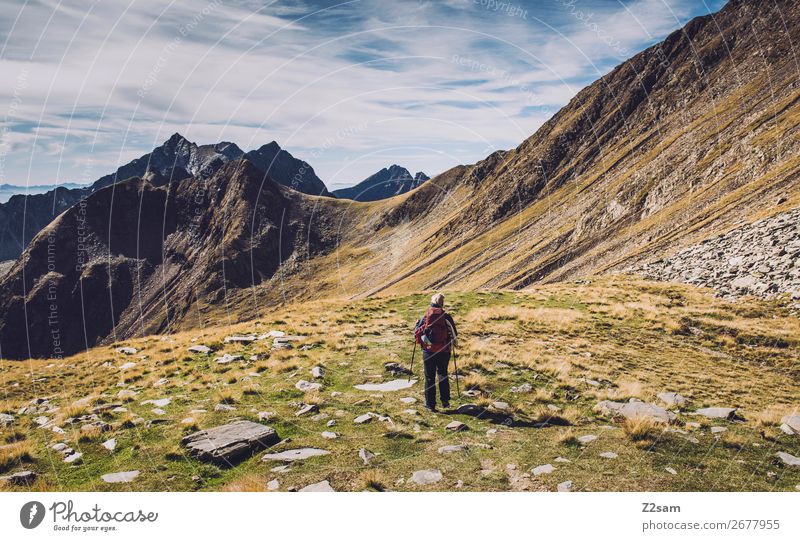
(176, 159)
(689, 139)
(385, 183)
(9, 190)
(133, 258)
(284, 168)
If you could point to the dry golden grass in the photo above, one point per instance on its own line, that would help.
(247, 483)
(13, 454)
(643, 431)
(375, 480)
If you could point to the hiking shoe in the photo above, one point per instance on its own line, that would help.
(432, 409)
(446, 405)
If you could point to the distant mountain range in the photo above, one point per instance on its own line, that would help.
(689, 139)
(8, 190)
(385, 183)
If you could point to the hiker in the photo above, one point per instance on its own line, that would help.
(436, 334)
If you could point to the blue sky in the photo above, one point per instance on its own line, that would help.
(348, 86)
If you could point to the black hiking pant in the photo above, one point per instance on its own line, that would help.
(436, 365)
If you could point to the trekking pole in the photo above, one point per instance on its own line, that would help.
(412, 361)
(455, 365)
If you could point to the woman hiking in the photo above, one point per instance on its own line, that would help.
(436, 334)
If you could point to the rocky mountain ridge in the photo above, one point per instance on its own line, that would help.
(388, 182)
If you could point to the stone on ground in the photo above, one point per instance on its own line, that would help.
(305, 409)
(273, 484)
(717, 413)
(543, 469)
(227, 444)
(306, 386)
(672, 399)
(397, 369)
(408, 400)
(426, 477)
(671, 470)
(6, 419)
(318, 372)
(792, 422)
(789, 460)
(588, 438)
(120, 477)
(524, 388)
(394, 385)
(228, 358)
(127, 350)
(241, 339)
(293, 455)
(365, 418)
(456, 426)
(20, 478)
(127, 366)
(203, 350)
(450, 449)
(609, 454)
(636, 410)
(366, 456)
(718, 429)
(110, 444)
(73, 457)
(566, 486)
(330, 435)
(160, 403)
(322, 486)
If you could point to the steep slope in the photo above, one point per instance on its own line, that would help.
(137, 256)
(686, 140)
(385, 183)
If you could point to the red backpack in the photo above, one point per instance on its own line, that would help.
(434, 326)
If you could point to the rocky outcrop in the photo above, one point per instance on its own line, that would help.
(227, 445)
(385, 183)
(762, 258)
(285, 169)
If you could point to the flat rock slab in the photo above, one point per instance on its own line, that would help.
(793, 422)
(717, 413)
(160, 403)
(22, 478)
(228, 358)
(450, 449)
(566, 486)
(426, 477)
(127, 366)
(609, 455)
(127, 351)
(293, 455)
(6, 419)
(636, 410)
(588, 438)
(227, 444)
(456, 426)
(789, 460)
(120, 477)
(322, 486)
(241, 339)
(394, 385)
(203, 350)
(672, 399)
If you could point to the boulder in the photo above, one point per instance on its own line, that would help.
(120, 477)
(426, 477)
(127, 350)
(293, 455)
(636, 410)
(328, 435)
(322, 486)
(6, 419)
(318, 372)
(230, 443)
